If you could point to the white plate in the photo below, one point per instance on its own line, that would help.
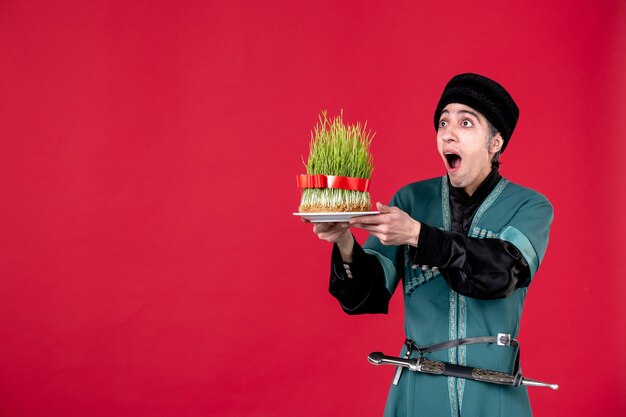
(340, 217)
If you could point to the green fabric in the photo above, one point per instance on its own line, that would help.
(521, 242)
(434, 313)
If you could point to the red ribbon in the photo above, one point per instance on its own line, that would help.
(333, 181)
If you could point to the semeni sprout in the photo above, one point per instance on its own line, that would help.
(343, 150)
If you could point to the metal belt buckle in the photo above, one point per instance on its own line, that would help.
(503, 339)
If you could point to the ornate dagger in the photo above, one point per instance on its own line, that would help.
(448, 369)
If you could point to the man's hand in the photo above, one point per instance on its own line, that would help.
(331, 232)
(338, 233)
(392, 226)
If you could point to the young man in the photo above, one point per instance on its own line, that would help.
(463, 247)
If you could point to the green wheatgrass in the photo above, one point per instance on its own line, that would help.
(338, 149)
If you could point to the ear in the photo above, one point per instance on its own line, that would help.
(496, 143)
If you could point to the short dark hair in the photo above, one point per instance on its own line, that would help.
(493, 131)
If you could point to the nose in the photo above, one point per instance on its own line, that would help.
(447, 134)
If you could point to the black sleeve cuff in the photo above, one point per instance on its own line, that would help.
(359, 286)
(343, 270)
(430, 245)
(479, 268)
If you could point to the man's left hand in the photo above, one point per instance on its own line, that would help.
(392, 226)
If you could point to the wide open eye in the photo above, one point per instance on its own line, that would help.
(443, 123)
(467, 123)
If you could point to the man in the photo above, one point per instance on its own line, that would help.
(463, 247)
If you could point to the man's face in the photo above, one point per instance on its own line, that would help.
(462, 137)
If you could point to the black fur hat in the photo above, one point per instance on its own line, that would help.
(484, 95)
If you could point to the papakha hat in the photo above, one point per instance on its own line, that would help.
(484, 95)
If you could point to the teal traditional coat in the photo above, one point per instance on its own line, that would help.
(435, 313)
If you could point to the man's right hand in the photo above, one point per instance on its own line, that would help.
(338, 233)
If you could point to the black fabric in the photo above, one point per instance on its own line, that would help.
(478, 268)
(484, 95)
(363, 293)
(464, 207)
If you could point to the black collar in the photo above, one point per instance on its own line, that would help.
(463, 207)
(481, 192)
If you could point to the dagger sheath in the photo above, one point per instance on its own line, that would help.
(427, 366)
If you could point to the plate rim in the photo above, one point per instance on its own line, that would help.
(334, 213)
(342, 215)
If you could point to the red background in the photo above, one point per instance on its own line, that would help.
(149, 261)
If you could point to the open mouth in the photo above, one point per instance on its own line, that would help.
(454, 160)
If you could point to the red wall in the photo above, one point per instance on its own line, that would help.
(149, 261)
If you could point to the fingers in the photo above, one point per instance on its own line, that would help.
(327, 227)
(372, 228)
(376, 218)
(330, 232)
(386, 209)
(382, 233)
(373, 219)
(331, 237)
(379, 231)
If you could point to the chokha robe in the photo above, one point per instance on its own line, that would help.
(435, 313)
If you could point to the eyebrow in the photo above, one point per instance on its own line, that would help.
(463, 111)
(470, 112)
